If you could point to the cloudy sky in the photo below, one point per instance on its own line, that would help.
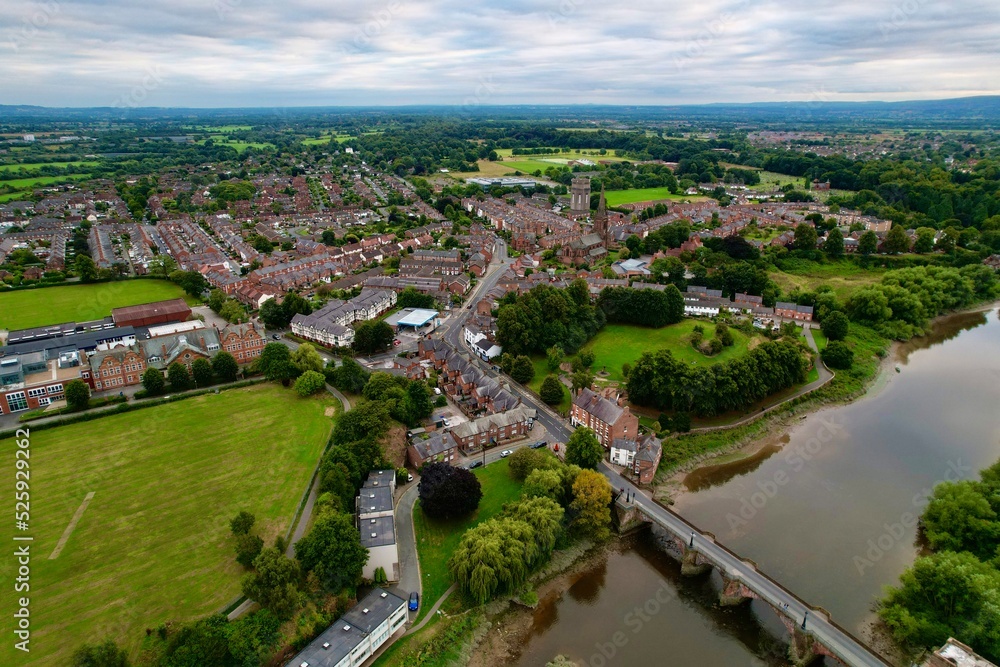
(212, 53)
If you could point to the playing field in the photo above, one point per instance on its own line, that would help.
(6, 168)
(80, 303)
(154, 544)
(619, 197)
(617, 344)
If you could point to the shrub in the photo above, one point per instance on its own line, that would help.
(838, 355)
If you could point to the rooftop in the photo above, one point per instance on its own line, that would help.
(377, 532)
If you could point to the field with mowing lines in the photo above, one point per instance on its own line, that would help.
(80, 303)
(619, 197)
(154, 544)
(10, 168)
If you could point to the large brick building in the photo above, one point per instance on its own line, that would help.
(244, 341)
(149, 314)
(608, 419)
(494, 429)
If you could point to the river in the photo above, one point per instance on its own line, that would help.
(829, 510)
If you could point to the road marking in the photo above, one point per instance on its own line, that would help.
(72, 524)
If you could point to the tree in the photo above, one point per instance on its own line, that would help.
(805, 237)
(272, 315)
(105, 654)
(77, 395)
(418, 398)
(294, 304)
(253, 637)
(835, 325)
(447, 492)
(242, 523)
(233, 312)
(493, 558)
(217, 299)
(868, 243)
(152, 381)
(161, 265)
(591, 504)
(959, 517)
(350, 376)
(191, 282)
(373, 336)
(178, 377)
(224, 367)
(332, 551)
(306, 358)
(837, 355)
(897, 241)
(201, 371)
(526, 460)
(275, 362)
(272, 586)
(310, 383)
(869, 304)
(587, 358)
(584, 449)
(834, 243)
(553, 357)
(522, 371)
(85, 268)
(925, 240)
(581, 379)
(248, 547)
(546, 483)
(551, 390)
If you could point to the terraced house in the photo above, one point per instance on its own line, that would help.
(244, 341)
(610, 420)
(330, 325)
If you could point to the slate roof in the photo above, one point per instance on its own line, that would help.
(600, 407)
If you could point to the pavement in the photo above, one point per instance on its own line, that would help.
(406, 545)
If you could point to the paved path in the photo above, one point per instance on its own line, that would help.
(406, 544)
(431, 611)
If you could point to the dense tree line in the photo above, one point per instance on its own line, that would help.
(545, 316)
(659, 380)
(644, 307)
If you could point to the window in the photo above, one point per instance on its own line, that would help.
(17, 402)
(55, 388)
(35, 393)
(44, 400)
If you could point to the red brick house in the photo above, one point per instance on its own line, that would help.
(244, 341)
(117, 367)
(606, 418)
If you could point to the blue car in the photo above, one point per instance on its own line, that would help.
(414, 601)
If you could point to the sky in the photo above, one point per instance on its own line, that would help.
(240, 53)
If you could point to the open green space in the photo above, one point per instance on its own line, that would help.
(15, 196)
(9, 168)
(541, 371)
(618, 344)
(437, 540)
(154, 543)
(619, 197)
(844, 276)
(43, 180)
(80, 303)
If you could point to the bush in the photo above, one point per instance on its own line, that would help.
(77, 395)
(248, 547)
(242, 523)
(552, 390)
(838, 355)
(309, 383)
(447, 492)
(526, 460)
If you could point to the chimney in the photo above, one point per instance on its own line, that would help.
(163, 347)
(201, 339)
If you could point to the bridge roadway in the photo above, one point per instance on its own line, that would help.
(836, 639)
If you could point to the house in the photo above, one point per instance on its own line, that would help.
(117, 367)
(641, 455)
(378, 535)
(793, 311)
(330, 324)
(606, 418)
(183, 347)
(374, 502)
(481, 343)
(436, 446)
(244, 341)
(357, 635)
(494, 429)
(377, 478)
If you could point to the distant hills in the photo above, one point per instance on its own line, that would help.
(971, 112)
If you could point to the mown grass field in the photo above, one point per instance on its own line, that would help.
(79, 303)
(619, 197)
(9, 168)
(437, 540)
(43, 180)
(154, 544)
(541, 371)
(618, 344)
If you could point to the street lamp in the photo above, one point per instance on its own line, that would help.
(804, 617)
(691, 543)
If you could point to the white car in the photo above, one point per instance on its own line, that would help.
(505, 453)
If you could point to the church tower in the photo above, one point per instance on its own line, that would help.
(601, 219)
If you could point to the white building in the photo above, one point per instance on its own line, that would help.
(481, 344)
(330, 324)
(357, 635)
(379, 537)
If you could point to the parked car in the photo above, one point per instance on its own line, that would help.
(414, 601)
(276, 336)
(505, 453)
(539, 444)
(475, 464)
(409, 477)
(395, 342)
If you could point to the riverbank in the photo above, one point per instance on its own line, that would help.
(747, 446)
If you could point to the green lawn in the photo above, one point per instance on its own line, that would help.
(820, 339)
(80, 303)
(154, 544)
(617, 344)
(437, 540)
(43, 180)
(619, 197)
(5, 168)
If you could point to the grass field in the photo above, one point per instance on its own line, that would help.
(844, 276)
(437, 540)
(619, 197)
(617, 344)
(80, 303)
(541, 371)
(43, 180)
(154, 544)
(8, 168)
